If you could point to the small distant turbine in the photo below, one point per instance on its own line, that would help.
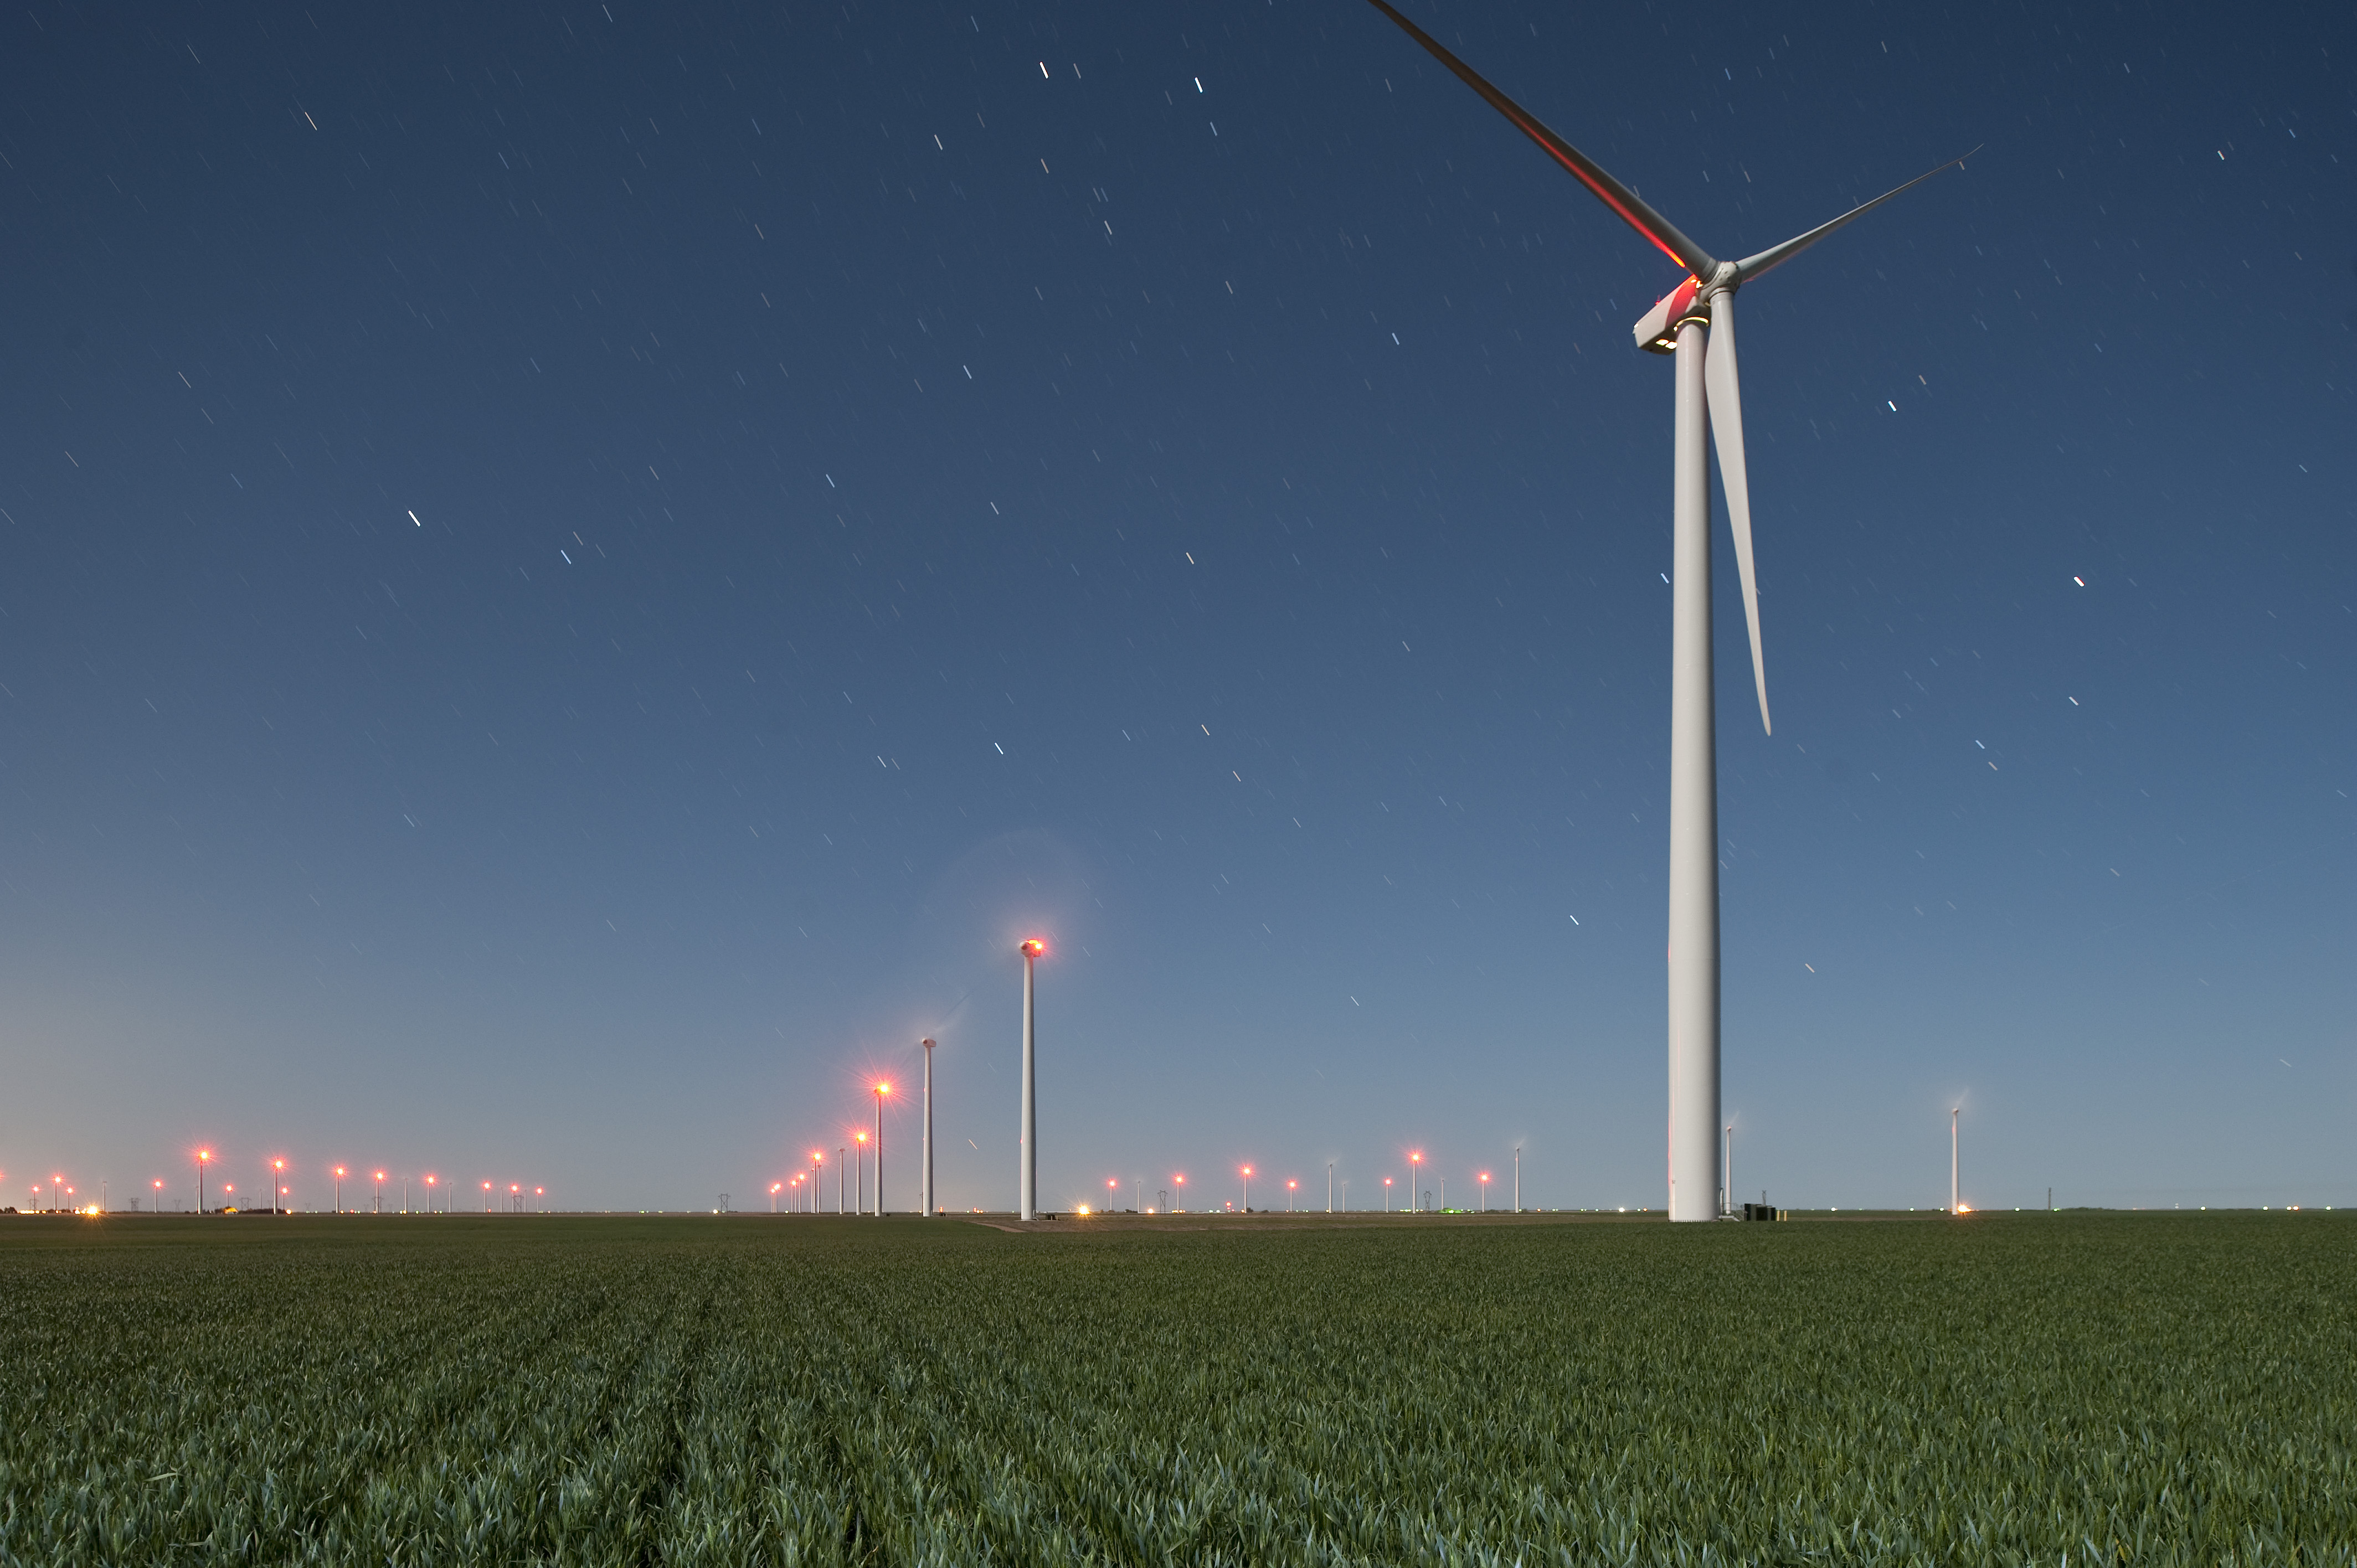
(1954, 1206)
(927, 1183)
(1030, 1181)
(1726, 1193)
(881, 1091)
(1694, 322)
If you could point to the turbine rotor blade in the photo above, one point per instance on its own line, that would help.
(1724, 392)
(1626, 203)
(1777, 255)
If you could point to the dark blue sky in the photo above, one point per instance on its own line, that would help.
(576, 578)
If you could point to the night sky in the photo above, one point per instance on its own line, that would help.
(574, 578)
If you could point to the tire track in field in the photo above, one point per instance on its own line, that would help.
(660, 1497)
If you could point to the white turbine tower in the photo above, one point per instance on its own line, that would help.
(926, 1203)
(1694, 322)
(1028, 1177)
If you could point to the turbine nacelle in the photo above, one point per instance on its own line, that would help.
(1657, 331)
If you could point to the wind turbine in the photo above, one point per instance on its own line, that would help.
(925, 1204)
(1695, 323)
(1953, 1202)
(1028, 1177)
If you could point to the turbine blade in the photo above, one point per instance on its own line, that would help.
(1725, 394)
(1777, 255)
(1630, 206)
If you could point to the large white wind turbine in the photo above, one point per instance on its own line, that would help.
(1694, 322)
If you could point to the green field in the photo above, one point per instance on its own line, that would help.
(2138, 1388)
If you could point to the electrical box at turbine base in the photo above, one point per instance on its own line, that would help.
(1762, 1211)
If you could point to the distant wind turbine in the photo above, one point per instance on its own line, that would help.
(1028, 1175)
(1695, 322)
(1954, 1203)
(925, 1205)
